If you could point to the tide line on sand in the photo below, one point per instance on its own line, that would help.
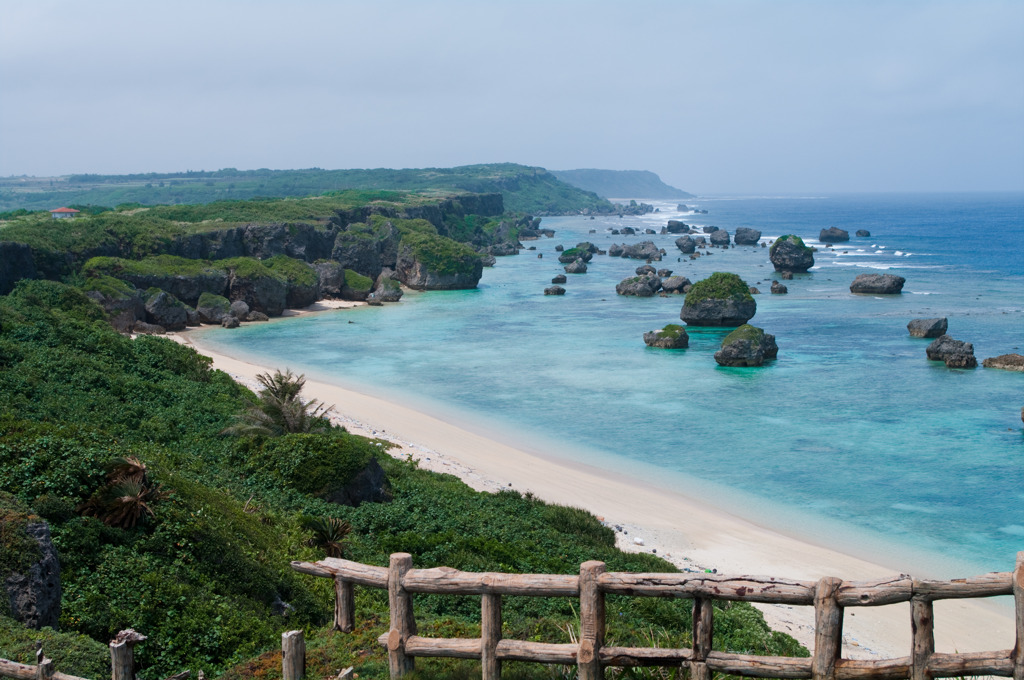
(691, 535)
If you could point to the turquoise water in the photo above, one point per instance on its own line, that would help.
(851, 437)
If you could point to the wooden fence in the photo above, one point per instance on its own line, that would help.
(122, 662)
(829, 597)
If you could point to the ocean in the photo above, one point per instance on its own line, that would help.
(851, 438)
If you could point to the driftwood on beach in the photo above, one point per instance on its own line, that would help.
(829, 596)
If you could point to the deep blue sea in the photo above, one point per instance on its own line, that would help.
(852, 438)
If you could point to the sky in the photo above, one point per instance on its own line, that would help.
(752, 96)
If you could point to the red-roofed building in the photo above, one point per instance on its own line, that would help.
(63, 213)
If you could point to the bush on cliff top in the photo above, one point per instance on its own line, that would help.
(440, 254)
(744, 332)
(719, 286)
(357, 281)
(297, 272)
(789, 237)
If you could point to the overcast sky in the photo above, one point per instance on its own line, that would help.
(725, 97)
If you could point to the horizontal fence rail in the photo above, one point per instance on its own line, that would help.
(122, 662)
(829, 597)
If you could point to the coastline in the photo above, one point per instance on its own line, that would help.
(685, 532)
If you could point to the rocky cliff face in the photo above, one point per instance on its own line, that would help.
(34, 593)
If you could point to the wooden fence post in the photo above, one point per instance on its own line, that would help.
(44, 670)
(592, 622)
(122, 656)
(703, 622)
(828, 629)
(403, 622)
(490, 635)
(1018, 598)
(293, 655)
(344, 606)
(922, 624)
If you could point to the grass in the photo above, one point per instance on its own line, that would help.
(719, 286)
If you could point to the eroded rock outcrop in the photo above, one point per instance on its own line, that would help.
(578, 266)
(163, 309)
(745, 236)
(789, 254)
(747, 346)
(1007, 362)
(877, 284)
(31, 579)
(928, 328)
(639, 286)
(954, 353)
(833, 235)
(719, 237)
(722, 299)
(672, 336)
(686, 244)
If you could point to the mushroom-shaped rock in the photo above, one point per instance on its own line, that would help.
(833, 235)
(1007, 362)
(672, 336)
(778, 288)
(722, 299)
(675, 284)
(789, 254)
(747, 346)
(954, 353)
(645, 269)
(639, 286)
(864, 233)
(745, 236)
(877, 284)
(576, 267)
(719, 237)
(686, 244)
(554, 290)
(928, 328)
(560, 278)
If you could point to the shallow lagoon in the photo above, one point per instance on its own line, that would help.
(852, 438)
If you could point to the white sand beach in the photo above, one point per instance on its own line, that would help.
(688, 533)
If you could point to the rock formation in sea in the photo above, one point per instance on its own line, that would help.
(877, 284)
(747, 346)
(789, 254)
(745, 236)
(559, 278)
(639, 286)
(863, 233)
(719, 237)
(672, 336)
(677, 227)
(675, 284)
(577, 266)
(645, 250)
(722, 299)
(954, 353)
(778, 288)
(686, 244)
(833, 235)
(645, 269)
(554, 290)
(928, 328)
(1007, 362)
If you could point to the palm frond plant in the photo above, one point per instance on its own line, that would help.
(278, 409)
(127, 497)
(329, 534)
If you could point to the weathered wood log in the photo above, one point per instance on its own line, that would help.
(874, 669)
(490, 636)
(359, 574)
(344, 605)
(592, 620)
(122, 661)
(828, 629)
(874, 593)
(703, 630)
(986, 585)
(747, 588)
(759, 666)
(17, 671)
(540, 652)
(922, 626)
(403, 622)
(1018, 599)
(453, 581)
(971, 664)
(644, 656)
(293, 655)
(455, 648)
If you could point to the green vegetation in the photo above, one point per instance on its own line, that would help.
(357, 281)
(75, 653)
(673, 331)
(747, 332)
(206, 575)
(719, 286)
(108, 286)
(160, 265)
(296, 272)
(524, 189)
(441, 255)
(18, 550)
(789, 237)
(218, 303)
(278, 409)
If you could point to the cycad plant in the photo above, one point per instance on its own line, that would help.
(278, 409)
(328, 534)
(127, 497)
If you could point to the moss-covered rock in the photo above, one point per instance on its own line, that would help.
(722, 299)
(30, 587)
(386, 290)
(183, 278)
(301, 278)
(790, 254)
(262, 288)
(163, 309)
(123, 302)
(356, 286)
(431, 262)
(672, 336)
(747, 346)
(213, 308)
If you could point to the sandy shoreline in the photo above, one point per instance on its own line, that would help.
(687, 533)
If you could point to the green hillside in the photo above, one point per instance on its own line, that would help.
(621, 183)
